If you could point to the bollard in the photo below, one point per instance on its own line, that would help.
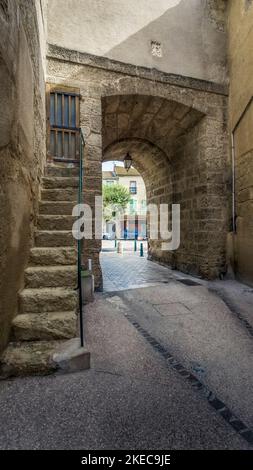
(87, 286)
(135, 245)
(120, 248)
(141, 250)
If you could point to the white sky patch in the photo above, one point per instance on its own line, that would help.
(108, 166)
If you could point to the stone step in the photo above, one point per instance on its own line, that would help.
(59, 171)
(54, 182)
(50, 276)
(68, 194)
(29, 358)
(23, 358)
(55, 222)
(54, 238)
(52, 256)
(48, 299)
(56, 208)
(46, 326)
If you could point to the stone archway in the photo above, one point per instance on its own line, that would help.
(168, 143)
(179, 120)
(171, 148)
(148, 160)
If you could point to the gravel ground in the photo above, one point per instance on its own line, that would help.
(129, 399)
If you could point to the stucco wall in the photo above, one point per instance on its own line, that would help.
(22, 143)
(240, 28)
(140, 194)
(191, 33)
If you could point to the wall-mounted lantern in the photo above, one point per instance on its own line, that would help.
(128, 161)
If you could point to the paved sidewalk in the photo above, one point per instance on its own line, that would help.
(129, 271)
(130, 399)
(108, 246)
(207, 326)
(146, 344)
(200, 332)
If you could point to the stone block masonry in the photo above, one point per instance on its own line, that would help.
(175, 130)
(22, 144)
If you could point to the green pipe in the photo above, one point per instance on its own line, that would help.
(141, 250)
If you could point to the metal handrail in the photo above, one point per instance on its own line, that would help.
(80, 242)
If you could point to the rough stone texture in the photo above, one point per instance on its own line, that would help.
(47, 300)
(177, 137)
(191, 33)
(56, 208)
(55, 222)
(52, 256)
(59, 172)
(66, 195)
(43, 358)
(28, 358)
(240, 34)
(60, 182)
(22, 144)
(51, 276)
(54, 238)
(73, 56)
(48, 304)
(47, 326)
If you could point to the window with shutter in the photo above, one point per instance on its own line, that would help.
(133, 187)
(63, 124)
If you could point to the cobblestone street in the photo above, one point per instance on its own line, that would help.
(128, 271)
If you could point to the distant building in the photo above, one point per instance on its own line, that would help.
(132, 224)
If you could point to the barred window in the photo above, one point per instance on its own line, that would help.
(63, 124)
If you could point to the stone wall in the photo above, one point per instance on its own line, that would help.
(121, 111)
(22, 143)
(184, 37)
(201, 186)
(240, 28)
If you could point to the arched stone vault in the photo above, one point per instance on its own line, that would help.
(156, 120)
(168, 142)
(175, 129)
(181, 154)
(179, 151)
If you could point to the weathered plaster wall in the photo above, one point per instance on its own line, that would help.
(191, 33)
(22, 143)
(240, 28)
(175, 129)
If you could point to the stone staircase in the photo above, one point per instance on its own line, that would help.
(47, 315)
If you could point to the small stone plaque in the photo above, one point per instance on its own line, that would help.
(156, 49)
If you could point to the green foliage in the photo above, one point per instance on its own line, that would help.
(115, 199)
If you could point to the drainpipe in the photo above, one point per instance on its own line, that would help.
(233, 181)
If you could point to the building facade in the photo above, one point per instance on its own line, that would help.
(179, 99)
(240, 110)
(131, 223)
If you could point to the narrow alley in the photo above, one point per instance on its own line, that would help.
(163, 349)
